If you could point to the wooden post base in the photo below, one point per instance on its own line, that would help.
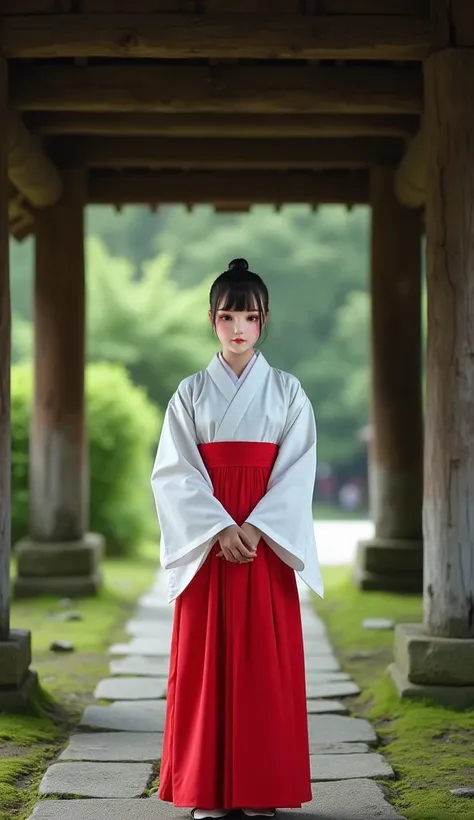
(389, 565)
(17, 698)
(17, 681)
(454, 697)
(59, 568)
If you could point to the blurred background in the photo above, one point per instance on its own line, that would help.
(148, 280)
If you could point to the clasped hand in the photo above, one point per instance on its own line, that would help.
(239, 544)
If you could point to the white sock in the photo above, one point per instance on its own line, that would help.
(259, 812)
(201, 814)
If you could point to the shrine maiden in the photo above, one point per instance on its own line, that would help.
(233, 483)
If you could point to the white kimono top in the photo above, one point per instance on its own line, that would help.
(269, 405)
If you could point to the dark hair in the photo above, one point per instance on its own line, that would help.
(238, 288)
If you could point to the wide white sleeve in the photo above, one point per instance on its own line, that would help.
(284, 514)
(189, 514)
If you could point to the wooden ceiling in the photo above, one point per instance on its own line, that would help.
(222, 101)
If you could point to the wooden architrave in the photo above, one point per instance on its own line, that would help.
(29, 169)
(231, 189)
(248, 126)
(410, 176)
(217, 36)
(389, 7)
(150, 152)
(219, 89)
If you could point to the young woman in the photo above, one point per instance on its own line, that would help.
(233, 482)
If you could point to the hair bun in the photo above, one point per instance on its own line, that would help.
(239, 264)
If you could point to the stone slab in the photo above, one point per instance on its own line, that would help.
(463, 792)
(425, 659)
(138, 665)
(127, 716)
(327, 663)
(313, 628)
(326, 677)
(155, 606)
(337, 748)
(131, 689)
(318, 648)
(15, 657)
(378, 623)
(340, 729)
(150, 628)
(133, 747)
(359, 799)
(347, 767)
(103, 780)
(149, 611)
(454, 697)
(148, 647)
(320, 707)
(337, 689)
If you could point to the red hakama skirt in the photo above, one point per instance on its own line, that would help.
(236, 731)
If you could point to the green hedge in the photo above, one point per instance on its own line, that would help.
(123, 430)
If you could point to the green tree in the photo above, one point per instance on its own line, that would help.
(153, 320)
(157, 330)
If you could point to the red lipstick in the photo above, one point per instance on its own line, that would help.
(238, 341)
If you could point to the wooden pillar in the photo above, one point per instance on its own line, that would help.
(57, 449)
(393, 559)
(436, 659)
(16, 680)
(449, 463)
(59, 555)
(5, 343)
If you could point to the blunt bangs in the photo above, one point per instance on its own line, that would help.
(239, 289)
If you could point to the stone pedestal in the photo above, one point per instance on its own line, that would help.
(393, 560)
(441, 669)
(17, 682)
(70, 568)
(390, 564)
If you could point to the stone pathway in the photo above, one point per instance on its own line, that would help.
(110, 763)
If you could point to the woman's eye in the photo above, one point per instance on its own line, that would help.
(253, 318)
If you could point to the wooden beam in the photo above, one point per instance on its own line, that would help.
(389, 7)
(29, 169)
(150, 152)
(184, 36)
(452, 23)
(230, 188)
(269, 126)
(229, 88)
(410, 176)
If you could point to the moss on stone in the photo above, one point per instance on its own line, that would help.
(428, 746)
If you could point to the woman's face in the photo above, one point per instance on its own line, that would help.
(237, 330)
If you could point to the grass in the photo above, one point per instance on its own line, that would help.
(30, 742)
(325, 512)
(428, 746)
